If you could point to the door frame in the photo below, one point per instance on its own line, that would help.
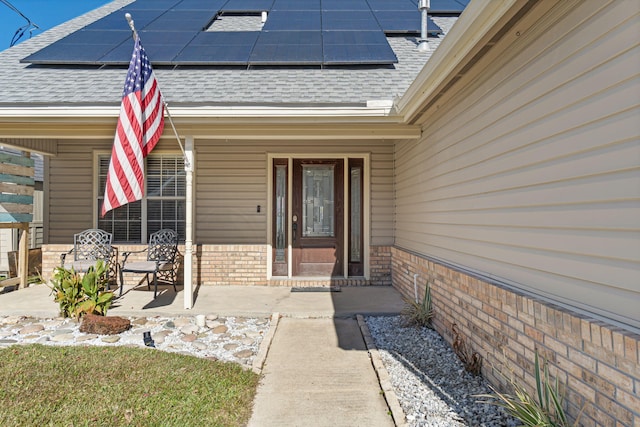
(366, 206)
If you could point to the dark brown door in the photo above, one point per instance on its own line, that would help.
(317, 218)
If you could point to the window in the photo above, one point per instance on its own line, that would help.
(163, 205)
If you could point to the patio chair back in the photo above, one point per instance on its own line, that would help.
(163, 246)
(92, 245)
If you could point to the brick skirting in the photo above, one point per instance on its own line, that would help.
(223, 265)
(598, 363)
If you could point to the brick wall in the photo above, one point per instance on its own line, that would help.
(231, 265)
(598, 363)
(380, 265)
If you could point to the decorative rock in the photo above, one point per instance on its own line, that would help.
(104, 325)
(7, 341)
(13, 320)
(31, 337)
(189, 329)
(220, 329)
(140, 321)
(111, 339)
(247, 341)
(63, 337)
(188, 338)
(29, 329)
(43, 340)
(61, 332)
(230, 346)
(170, 325)
(200, 345)
(212, 317)
(161, 334)
(87, 337)
(181, 321)
(243, 354)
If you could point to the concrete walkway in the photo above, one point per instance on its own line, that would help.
(318, 373)
(251, 301)
(317, 369)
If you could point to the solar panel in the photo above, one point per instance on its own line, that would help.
(154, 4)
(345, 5)
(361, 54)
(447, 6)
(69, 54)
(296, 5)
(181, 20)
(161, 47)
(117, 21)
(349, 20)
(404, 5)
(299, 32)
(206, 5)
(293, 21)
(247, 5)
(220, 47)
(287, 47)
(405, 22)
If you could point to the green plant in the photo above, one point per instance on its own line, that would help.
(419, 313)
(78, 295)
(544, 409)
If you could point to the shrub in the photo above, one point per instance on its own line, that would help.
(78, 294)
(544, 409)
(419, 313)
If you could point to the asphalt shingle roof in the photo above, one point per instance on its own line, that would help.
(25, 84)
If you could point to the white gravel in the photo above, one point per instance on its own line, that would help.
(430, 382)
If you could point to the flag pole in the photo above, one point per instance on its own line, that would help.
(188, 168)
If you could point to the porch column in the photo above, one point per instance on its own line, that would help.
(188, 243)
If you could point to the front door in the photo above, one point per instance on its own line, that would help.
(317, 217)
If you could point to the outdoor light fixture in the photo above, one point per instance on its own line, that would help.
(423, 6)
(148, 341)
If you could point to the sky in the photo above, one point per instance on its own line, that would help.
(45, 13)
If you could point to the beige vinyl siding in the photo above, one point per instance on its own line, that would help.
(70, 188)
(531, 174)
(232, 181)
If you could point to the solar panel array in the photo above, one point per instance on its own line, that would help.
(297, 32)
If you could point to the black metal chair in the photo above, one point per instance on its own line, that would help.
(90, 246)
(161, 260)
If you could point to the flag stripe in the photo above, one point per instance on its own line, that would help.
(139, 128)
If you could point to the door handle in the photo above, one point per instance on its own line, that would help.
(295, 229)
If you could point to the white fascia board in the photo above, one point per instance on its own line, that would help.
(373, 109)
(477, 20)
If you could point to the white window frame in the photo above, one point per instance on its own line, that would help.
(97, 192)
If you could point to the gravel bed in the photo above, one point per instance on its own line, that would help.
(429, 380)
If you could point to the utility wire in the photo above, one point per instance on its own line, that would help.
(30, 26)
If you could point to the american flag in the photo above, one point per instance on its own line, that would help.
(139, 128)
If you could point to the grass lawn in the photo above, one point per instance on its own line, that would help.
(120, 386)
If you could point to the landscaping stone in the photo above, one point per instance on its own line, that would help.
(188, 338)
(220, 329)
(104, 325)
(87, 337)
(243, 354)
(63, 337)
(29, 329)
(111, 339)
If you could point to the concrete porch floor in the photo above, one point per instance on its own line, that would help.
(37, 301)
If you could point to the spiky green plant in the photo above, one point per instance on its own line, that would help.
(544, 409)
(419, 313)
